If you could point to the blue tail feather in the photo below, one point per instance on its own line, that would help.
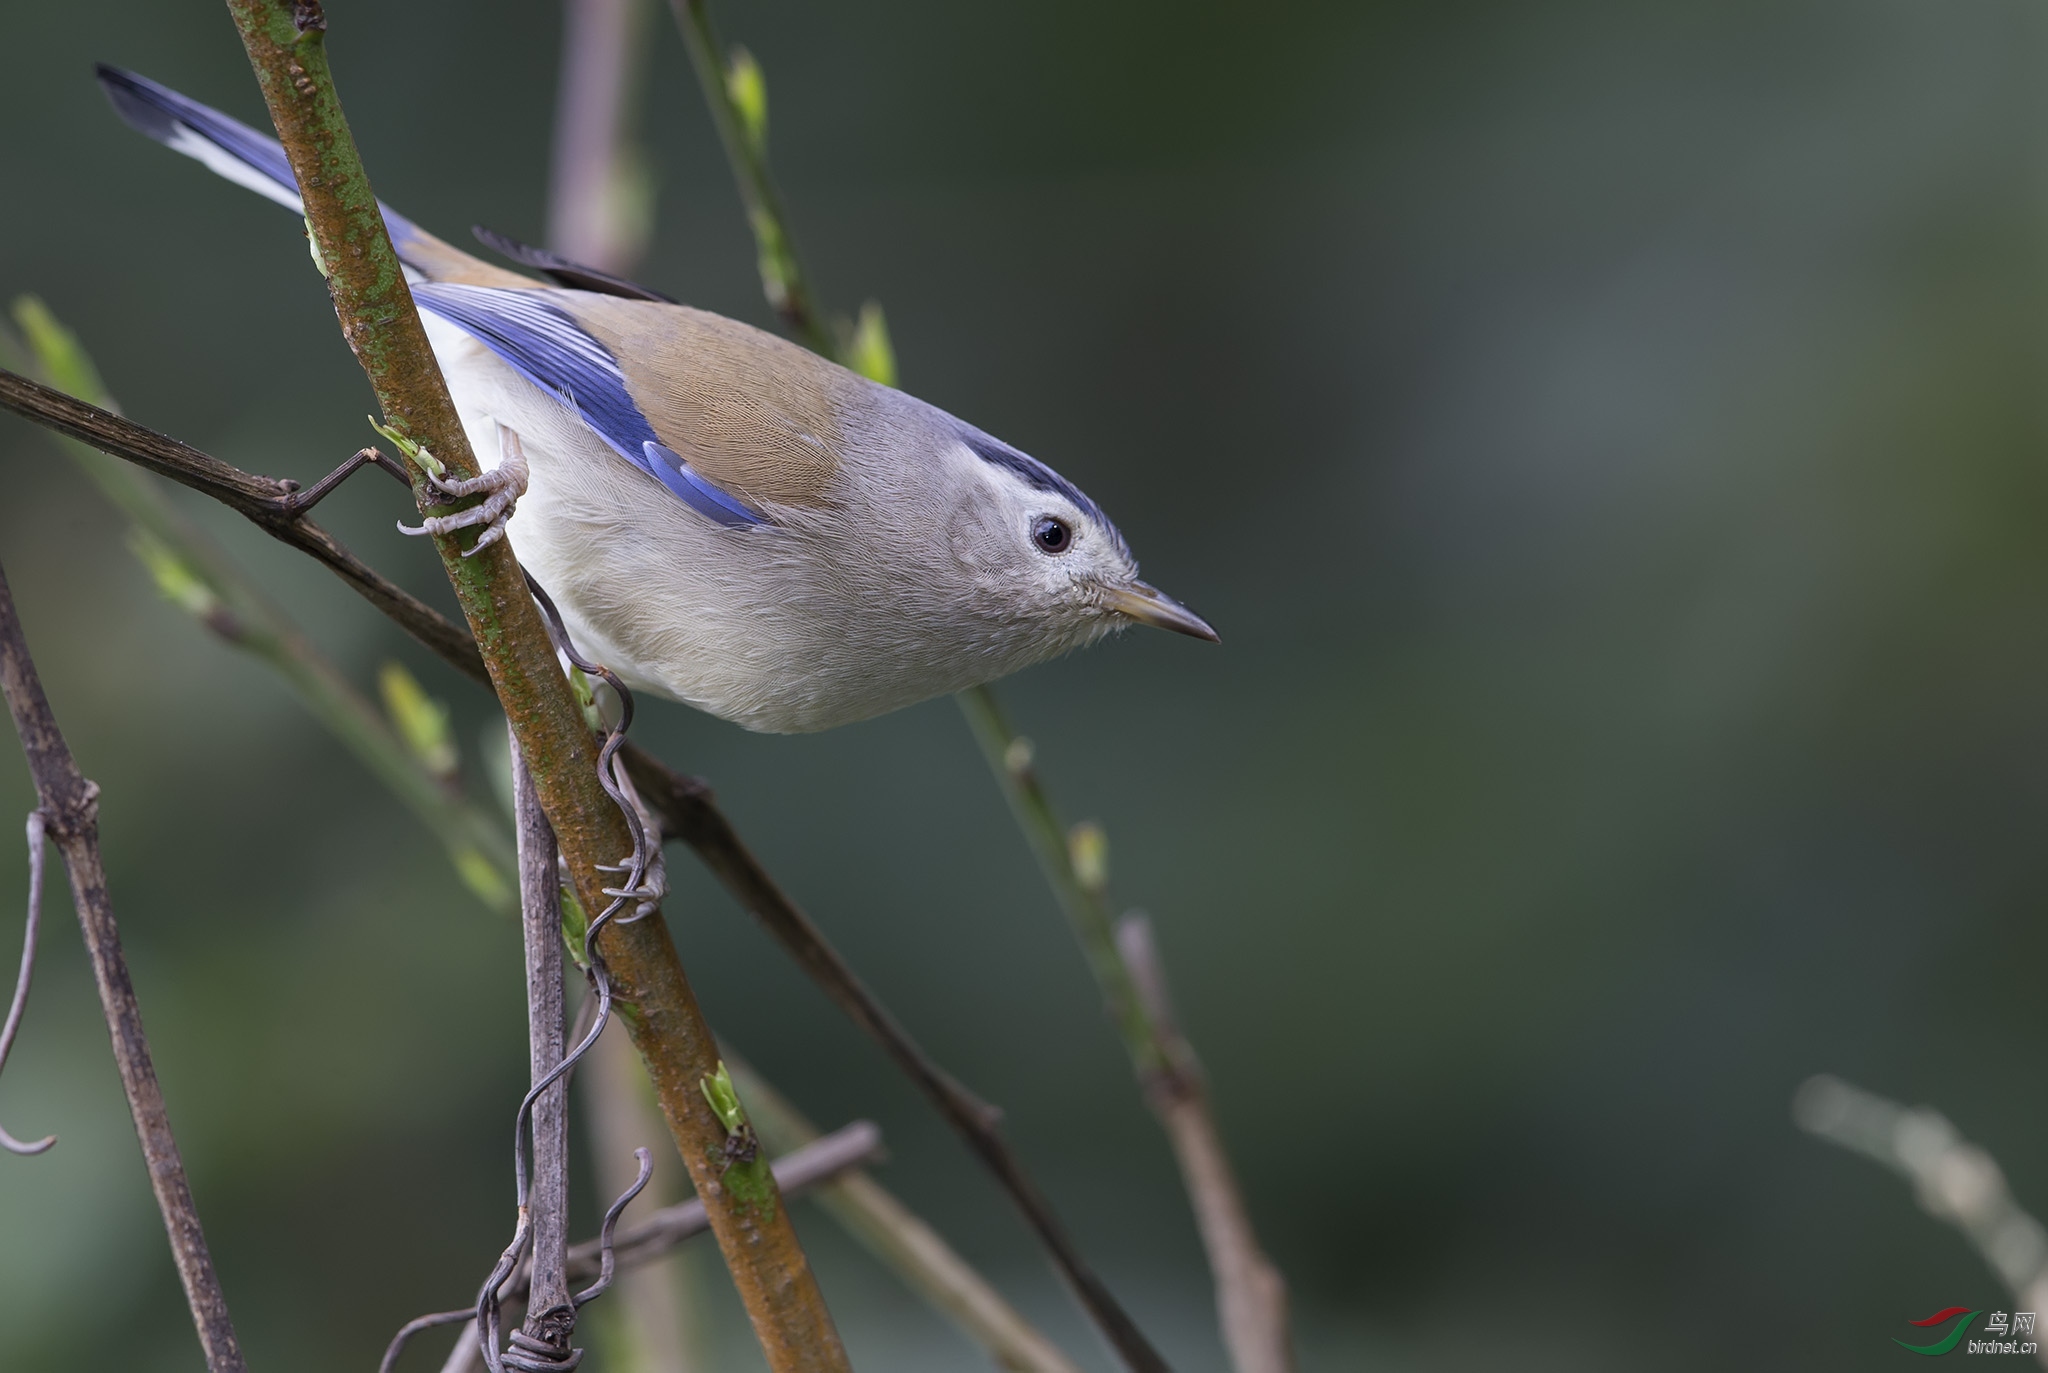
(226, 145)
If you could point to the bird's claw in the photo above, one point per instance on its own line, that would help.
(646, 896)
(502, 487)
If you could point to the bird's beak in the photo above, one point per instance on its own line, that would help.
(1148, 605)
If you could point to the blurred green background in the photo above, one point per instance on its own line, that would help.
(1609, 439)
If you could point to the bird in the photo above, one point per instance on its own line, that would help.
(725, 518)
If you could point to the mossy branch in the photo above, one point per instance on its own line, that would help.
(286, 47)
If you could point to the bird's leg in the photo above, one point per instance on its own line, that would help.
(504, 485)
(298, 502)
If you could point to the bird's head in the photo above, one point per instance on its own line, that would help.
(1048, 555)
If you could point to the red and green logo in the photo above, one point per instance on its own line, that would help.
(1946, 1342)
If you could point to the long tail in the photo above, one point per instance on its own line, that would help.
(257, 161)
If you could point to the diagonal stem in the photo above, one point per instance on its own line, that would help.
(70, 807)
(1251, 1296)
(1010, 757)
(782, 275)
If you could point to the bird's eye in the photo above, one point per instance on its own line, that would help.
(1052, 535)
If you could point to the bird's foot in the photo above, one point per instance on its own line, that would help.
(502, 487)
(646, 895)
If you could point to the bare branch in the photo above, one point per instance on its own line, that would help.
(264, 501)
(70, 808)
(551, 1319)
(782, 275)
(1251, 1296)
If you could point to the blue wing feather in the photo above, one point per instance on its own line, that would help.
(549, 349)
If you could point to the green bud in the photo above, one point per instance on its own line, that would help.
(416, 451)
(724, 1099)
(1017, 757)
(1088, 850)
(868, 350)
(747, 86)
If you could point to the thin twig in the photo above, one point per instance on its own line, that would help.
(70, 808)
(286, 45)
(782, 276)
(552, 1318)
(908, 1247)
(16, 1008)
(1011, 758)
(684, 804)
(799, 1170)
(1954, 1180)
(265, 502)
(1251, 1296)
